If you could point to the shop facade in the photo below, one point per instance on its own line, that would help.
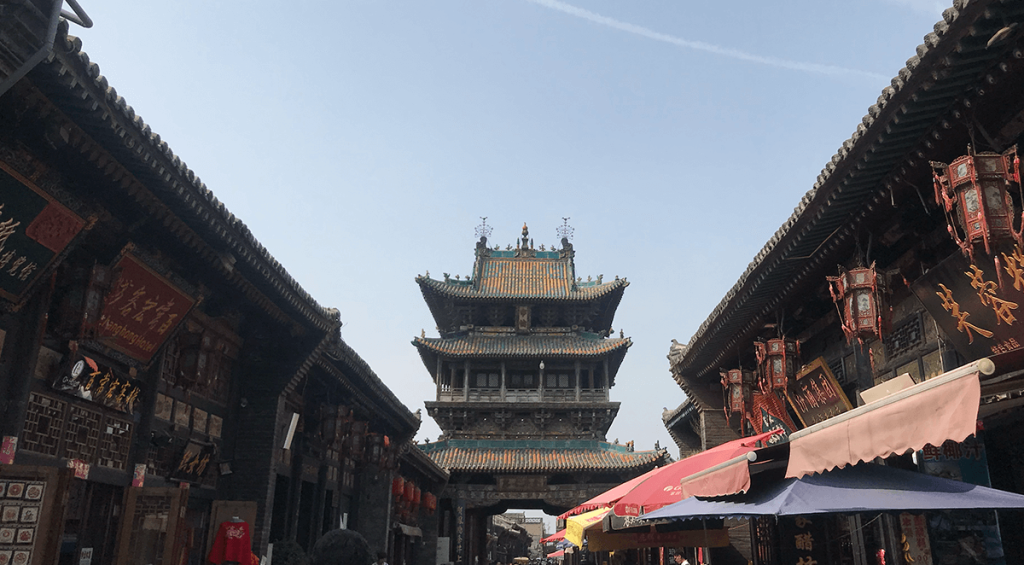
(900, 265)
(162, 373)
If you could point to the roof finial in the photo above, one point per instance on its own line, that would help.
(565, 231)
(483, 231)
(526, 234)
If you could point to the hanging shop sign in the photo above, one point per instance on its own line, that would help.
(768, 412)
(140, 310)
(90, 380)
(34, 230)
(816, 395)
(194, 461)
(976, 303)
(802, 539)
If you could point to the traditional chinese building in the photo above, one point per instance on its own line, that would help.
(161, 372)
(900, 265)
(523, 365)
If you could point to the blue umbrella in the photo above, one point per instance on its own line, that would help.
(861, 488)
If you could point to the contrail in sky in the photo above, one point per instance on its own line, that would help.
(700, 45)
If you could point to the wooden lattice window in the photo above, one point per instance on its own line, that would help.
(907, 335)
(114, 444)
(82, 433)
(43, 424)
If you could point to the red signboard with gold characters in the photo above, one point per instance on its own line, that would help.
(140, 310)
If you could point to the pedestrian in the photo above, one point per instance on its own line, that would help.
(382, 558)
(341, 547)
(678, 558)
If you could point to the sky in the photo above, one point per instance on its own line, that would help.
(362, 141)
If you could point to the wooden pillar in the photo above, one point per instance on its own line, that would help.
(577, 380)
(465, 381)
(541, 369)
(440, 377)
(503, 385)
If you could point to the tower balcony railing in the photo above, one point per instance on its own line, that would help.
(524, 395)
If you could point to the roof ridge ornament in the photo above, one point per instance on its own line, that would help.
(565, 231)
(483, 231)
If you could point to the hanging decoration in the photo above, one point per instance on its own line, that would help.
(975, 188)
(738, 386)
(776, 363)
(859, 295)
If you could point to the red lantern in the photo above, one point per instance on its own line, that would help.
(860, 295)
(429, 501)
(738, 385)
(776, 361)
(975, 187)
(409, 491)
(398, 486)
(416, 495)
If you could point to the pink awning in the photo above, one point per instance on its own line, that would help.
(608, 497)
(731, 477)
(663, 486)
(939, 409)
(559, 553)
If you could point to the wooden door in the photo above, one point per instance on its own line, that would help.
(149, 526)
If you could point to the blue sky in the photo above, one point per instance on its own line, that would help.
(361, 140)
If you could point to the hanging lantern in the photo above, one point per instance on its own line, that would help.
(975, 187)
(429, 502)
(859, 295)
(416, 495)
(409, 492)
(738, 385)
(397, 486)
(776, 361)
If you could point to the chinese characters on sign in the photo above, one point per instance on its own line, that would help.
(140, 310)
(85, 378)
(815, 395)
(802, 540)
(914, 539)
(194, 462)
(975, 303)
(33, 230)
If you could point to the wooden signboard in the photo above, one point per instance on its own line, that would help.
(91, 380)
(977, 306)
(816, 395)
(140, 311)
(32, 504)
(34, 230)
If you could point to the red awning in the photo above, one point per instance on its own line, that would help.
(662, 487)
(608, 497)
(560, 534)
(558, 553)
(939, 409)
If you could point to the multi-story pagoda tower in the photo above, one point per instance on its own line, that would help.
(523, 366)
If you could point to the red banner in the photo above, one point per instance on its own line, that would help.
(140, 311)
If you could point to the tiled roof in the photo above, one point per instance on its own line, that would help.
(518, 277)
(522, 346)
(538, 456)
(893, 137)
(69, 72)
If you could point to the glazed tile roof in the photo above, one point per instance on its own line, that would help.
(505, 346)
(68, 75)
(538, 456)
(518, 277)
